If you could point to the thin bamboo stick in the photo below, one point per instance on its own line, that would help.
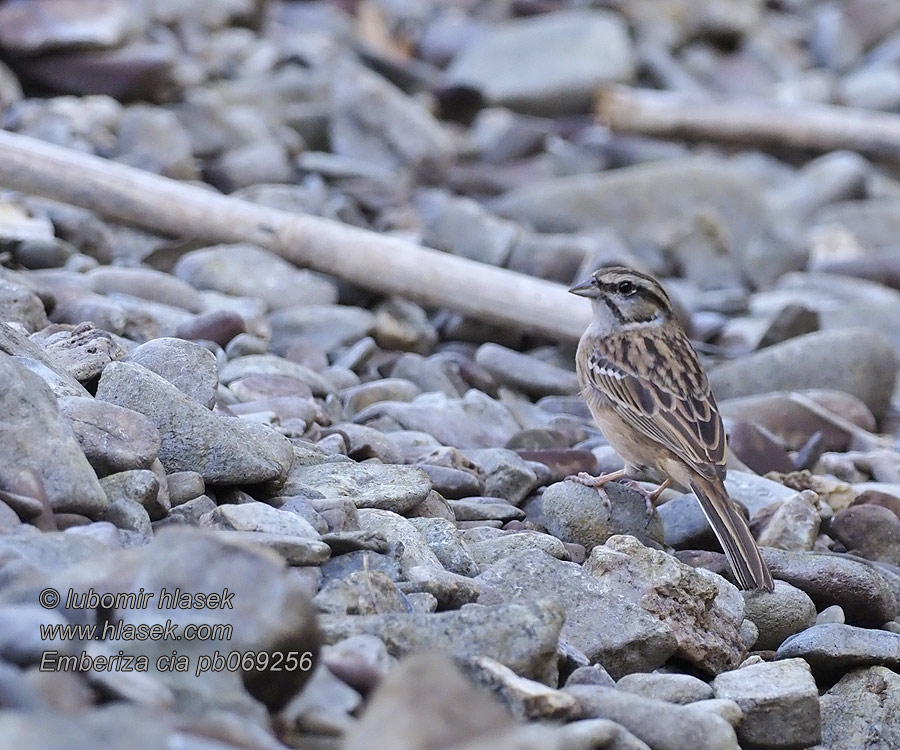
(818, 127)
(384, 264)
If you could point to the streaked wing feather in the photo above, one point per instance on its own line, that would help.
(678, 412)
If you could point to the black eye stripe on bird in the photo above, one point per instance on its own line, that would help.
(639, 291)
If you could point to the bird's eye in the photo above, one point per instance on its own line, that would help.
(626, 288)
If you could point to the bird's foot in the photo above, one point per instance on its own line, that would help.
(588, 480)
(650, 496)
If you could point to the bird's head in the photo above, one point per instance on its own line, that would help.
(623, 297)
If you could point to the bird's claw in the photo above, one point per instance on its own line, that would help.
(588, 480)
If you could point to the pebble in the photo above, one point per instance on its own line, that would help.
(506, 474)
(361, 593)
(639, 201)
(779, 700)
(358, 397)
(528, 374)
(245, 270)
(861, 700)
(394, 488)
(526, 699)
(106, 24)
(402, 324)
(401, 134)
(222, 450)
(113, 438)
(463, 227)
(130, 517)
(443, 538)
(473, 421)
(260, 517)
(263, 161)
(412, 701)
(705, 617)
(145, 283)
(806, 362)
(454, 483)
(152, 139)
(325, 706)
(14, 343)
(603, 624)
(672, 688)
(35, 428)
(660, 724)
(81, 349)
(293, 437)
(427, 373)
(267, 365)
(485, 509)
(579, 514)
(829, 647)
(794, 525)
(531, 87)
(327, 327)
(139, 486)
(364, 442)
(758, 449)
(18, 304)
(493, 549)
(863, 594)
(778, 614)
(522, 636)
(407, 544)
(868, 530)
(190, 367)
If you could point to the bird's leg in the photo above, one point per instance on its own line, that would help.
(582, 477)
(651, 497)
(654, 496)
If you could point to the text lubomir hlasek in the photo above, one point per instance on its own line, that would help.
(165, 599)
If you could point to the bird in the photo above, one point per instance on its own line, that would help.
(651, 399)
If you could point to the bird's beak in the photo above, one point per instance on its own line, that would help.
(584, 288)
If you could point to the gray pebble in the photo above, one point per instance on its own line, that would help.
(190, 367)
(779, 700)
(251, 271)
(672, 688)
(861, 700)
(833, 646)
(604, 625)
(140, 486)
(526, 373)
(395, 488)
(858, 589)
(112, 437)
(223, 450)
(35, 429)
(662, 725)
(778, 614)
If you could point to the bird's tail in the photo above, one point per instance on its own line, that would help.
(733, 534)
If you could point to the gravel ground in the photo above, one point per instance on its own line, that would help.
(247, 505)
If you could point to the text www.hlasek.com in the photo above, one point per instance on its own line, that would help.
(123, 631)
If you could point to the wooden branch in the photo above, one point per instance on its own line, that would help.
(818, 127)
(383, 264)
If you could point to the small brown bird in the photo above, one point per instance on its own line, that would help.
(651, 399)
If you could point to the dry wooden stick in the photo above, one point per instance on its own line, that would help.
(819, 127)
(377, 262)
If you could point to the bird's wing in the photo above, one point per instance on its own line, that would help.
(657, 385)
